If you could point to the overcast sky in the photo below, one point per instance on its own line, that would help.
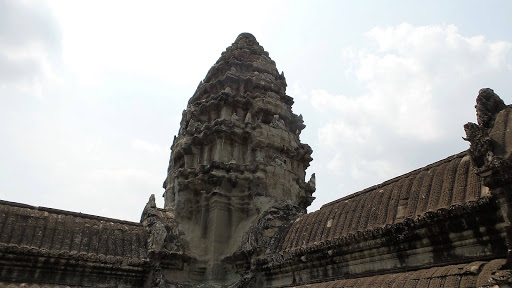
(91, 92)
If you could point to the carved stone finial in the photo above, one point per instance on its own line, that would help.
(281, 77)
(234, 117)
(488, 150)
(277, 123)
(488, 105)
(278, 161)
(259, 155)
(245, 35)
(248, 118)
(312, 180)
(149, 209)
(480, 148)
(228, 91)
(191, 125)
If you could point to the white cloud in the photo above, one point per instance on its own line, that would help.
(29, 48)
(166, 40)
(419, 88)
(145, 146)
(123, 174)
(337, 132)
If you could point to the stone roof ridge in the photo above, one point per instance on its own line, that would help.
(69, 213)
(398, 178)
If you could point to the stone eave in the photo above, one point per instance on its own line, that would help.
(470, 274)
(378, 237)
(96, 261)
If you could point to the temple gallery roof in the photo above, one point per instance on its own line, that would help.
(437, 186)
(475, 274)
(38, 230)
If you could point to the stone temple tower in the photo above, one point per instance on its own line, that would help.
(237, 155)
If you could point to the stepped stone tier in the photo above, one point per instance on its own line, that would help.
(236, 199)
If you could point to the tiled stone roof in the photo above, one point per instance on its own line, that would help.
(57, 233)
(475, 274)
(440, 185)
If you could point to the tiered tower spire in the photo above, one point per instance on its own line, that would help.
(237, 154)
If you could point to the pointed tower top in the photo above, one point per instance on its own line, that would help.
(245, 35)
(237, 159)
(242, 66)
(247, 41)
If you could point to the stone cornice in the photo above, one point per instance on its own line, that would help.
(78, 258)
(378, 237)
